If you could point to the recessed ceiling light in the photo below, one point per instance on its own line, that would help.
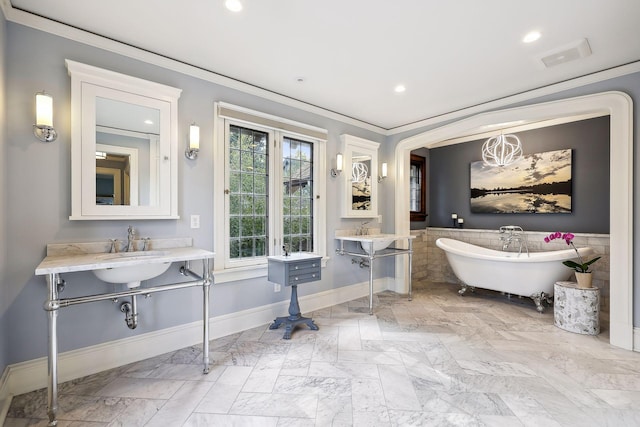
(400, 89)
(148, 122)
(531, 37)
(233, 5)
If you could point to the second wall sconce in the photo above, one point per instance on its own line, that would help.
(43, 129)
(383, 172)
(335, 172)
(193, 146)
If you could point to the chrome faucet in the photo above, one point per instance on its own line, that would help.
(131, 235)
(362, 230)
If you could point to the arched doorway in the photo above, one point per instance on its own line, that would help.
(618, 106)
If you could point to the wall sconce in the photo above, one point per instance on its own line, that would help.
(193, 147)
(383, 172)
(335, 172)
(43, 129)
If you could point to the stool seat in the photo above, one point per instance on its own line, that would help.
(576, 309)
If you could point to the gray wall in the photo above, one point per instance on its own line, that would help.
(40, 207)
(449, 180)
(3, 200)
(629, 84)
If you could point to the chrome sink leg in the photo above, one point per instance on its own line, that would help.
(371, 281)
(51, 306)
(410, 269)
(206, 287)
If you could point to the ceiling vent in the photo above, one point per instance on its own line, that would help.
(569, 52)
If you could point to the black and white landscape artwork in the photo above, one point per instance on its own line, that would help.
(537, 183)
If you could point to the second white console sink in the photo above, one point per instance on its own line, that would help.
(379, 241)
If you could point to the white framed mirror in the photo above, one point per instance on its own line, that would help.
(124, 146)
(360, 177)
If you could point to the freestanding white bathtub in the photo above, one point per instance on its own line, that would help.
(531, 275)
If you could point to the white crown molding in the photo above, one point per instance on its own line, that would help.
(521, 97)
(81, 36)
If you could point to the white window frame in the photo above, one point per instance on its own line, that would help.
(227, 270)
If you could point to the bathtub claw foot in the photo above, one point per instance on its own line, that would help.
(538, 299)
(462, 290)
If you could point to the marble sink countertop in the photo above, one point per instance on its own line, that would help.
(373, 236)
(73, 257)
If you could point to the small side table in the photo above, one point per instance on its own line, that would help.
(293, 270)
(576, 309)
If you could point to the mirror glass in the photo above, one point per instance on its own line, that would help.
(359, 195)
(124, 148)
(360, 182)
(127, 151)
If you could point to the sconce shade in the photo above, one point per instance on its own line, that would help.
(43, 129)
(339, 162)
(383, 172)
(44, 110)
(194, 137)
(193, 145)
(338, 170)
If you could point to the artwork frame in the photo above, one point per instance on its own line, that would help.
(539, 183)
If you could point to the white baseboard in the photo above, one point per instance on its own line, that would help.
(636, 339)
(31, 375)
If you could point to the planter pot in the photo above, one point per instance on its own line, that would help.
(584, 280)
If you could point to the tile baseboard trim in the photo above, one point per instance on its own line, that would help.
(31, 375)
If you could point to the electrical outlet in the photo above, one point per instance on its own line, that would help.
(277, 287)
(195, 221)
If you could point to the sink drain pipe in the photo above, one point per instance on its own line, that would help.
(130, 310)
(362, 263)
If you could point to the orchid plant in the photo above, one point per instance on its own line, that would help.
(582, 267)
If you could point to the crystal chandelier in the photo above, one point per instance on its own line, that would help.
(501, 150)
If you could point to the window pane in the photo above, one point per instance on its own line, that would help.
(234, 226)
(297, 195)
(415, 188)
(248, 190)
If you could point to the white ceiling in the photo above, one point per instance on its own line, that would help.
(351, 54)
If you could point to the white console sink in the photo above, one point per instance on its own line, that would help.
(132, 275)
(379, 241)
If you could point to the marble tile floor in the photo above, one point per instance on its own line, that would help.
(439, 360)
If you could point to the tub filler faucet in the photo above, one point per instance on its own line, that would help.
(513, 233)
